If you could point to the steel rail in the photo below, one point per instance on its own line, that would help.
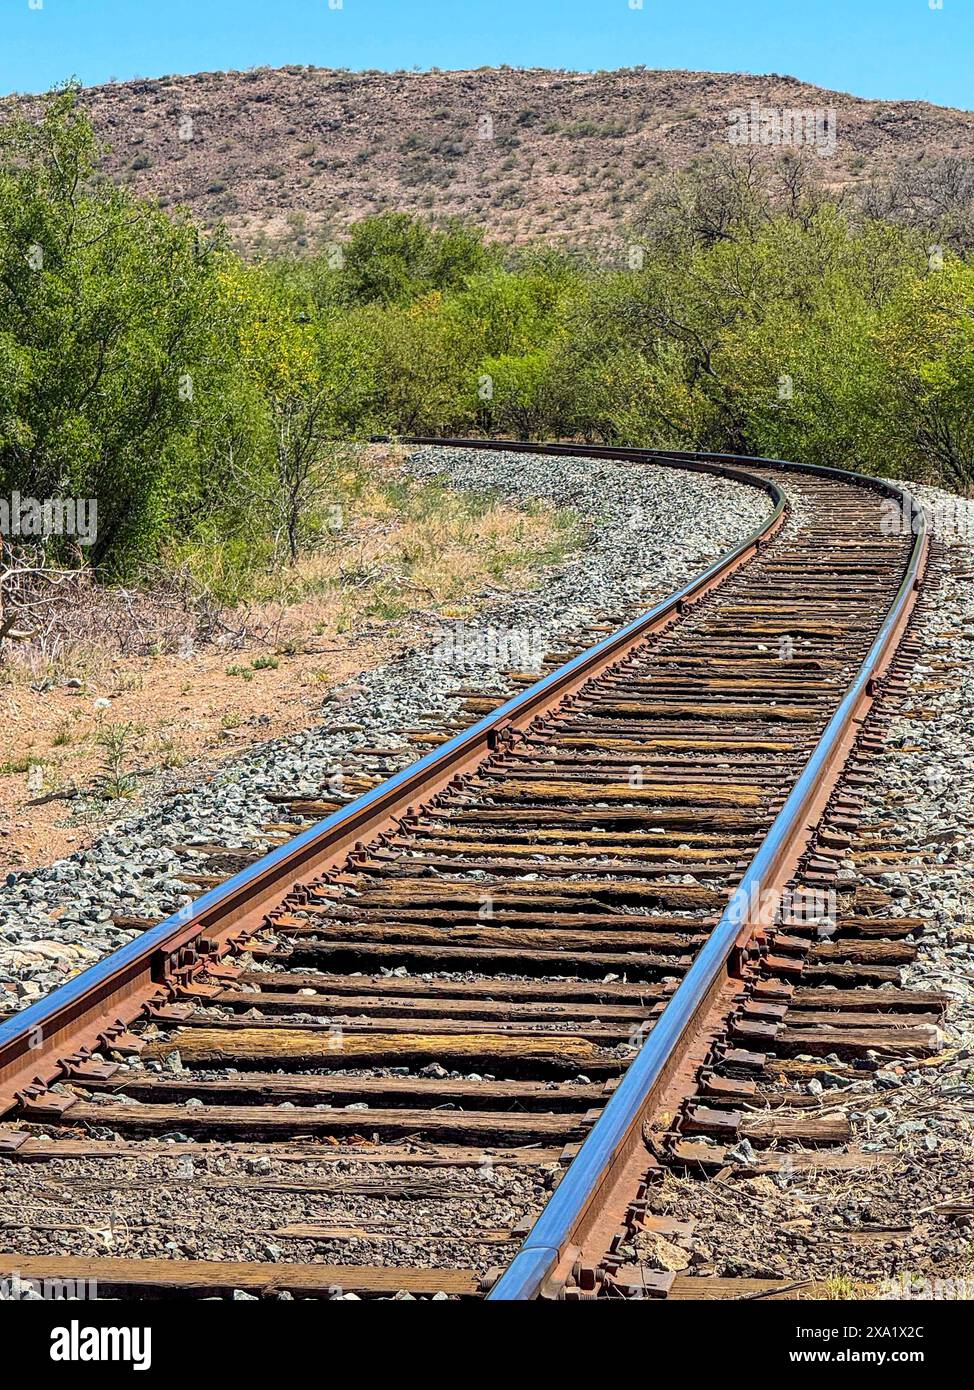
(105, 998)
(618, 1128)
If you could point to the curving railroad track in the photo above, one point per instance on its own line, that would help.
(460, 1025)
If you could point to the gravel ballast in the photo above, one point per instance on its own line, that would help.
(210, 1201)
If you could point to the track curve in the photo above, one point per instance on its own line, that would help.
(496, 962)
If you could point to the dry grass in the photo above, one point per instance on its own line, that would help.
(401, 548)
(408, 547)
(406, 553)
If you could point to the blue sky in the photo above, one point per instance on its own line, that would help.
(878, 48)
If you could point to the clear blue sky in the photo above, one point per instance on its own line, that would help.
(875, 48)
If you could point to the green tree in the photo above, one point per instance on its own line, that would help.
(395, 259)
(926, 341)
(102, 306)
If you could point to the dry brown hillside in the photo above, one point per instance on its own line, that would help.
(296, 153)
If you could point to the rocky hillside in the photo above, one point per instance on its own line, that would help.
(295, 153)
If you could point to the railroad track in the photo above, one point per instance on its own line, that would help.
(457, 1027)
